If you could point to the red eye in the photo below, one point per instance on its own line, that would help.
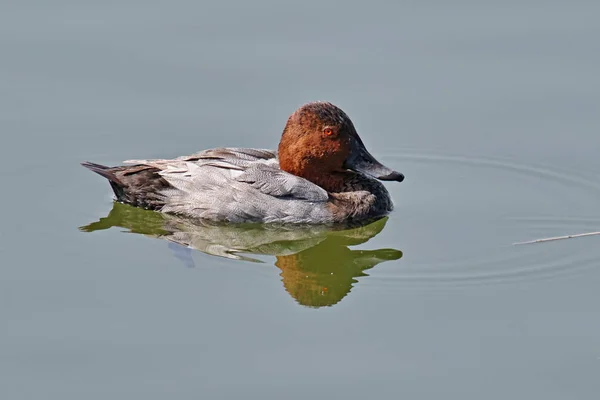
(328, 131)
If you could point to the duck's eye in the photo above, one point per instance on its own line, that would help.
(328, 131)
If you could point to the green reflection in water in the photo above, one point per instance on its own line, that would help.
(317, 267)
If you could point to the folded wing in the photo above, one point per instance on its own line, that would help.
(237, 184)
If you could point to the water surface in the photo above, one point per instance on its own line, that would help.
(490, 110)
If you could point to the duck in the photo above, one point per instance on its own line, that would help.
(321, 173)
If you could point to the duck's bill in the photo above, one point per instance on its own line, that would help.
(361, 160)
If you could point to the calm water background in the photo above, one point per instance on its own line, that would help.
(490, 109)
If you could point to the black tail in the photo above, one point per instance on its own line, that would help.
(138, 185)
(102, 170)
(108, 173)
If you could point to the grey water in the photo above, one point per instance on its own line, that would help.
(490, 109)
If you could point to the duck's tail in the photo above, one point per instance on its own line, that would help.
(102, 170)
(138, 185)
(108, 173)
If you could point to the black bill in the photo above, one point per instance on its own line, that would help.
(361, 160)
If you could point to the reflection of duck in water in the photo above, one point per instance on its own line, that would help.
(324, 274)
(317, 267)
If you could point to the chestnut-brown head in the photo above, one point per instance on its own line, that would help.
(320, 143)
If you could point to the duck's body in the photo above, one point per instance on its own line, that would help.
(310, 182)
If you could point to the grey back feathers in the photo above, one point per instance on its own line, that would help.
(238, 185)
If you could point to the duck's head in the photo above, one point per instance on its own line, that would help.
(320, 144)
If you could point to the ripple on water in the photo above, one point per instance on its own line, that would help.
(458, 219)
